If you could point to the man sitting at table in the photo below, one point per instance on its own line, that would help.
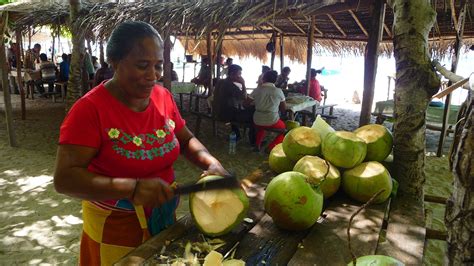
(282, 80)
(48, 74)
(268, 100)
(229, 95)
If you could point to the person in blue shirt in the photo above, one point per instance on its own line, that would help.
(64, 68)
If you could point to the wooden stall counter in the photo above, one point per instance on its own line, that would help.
(394, 228)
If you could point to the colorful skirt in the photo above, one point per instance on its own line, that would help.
(110, 232)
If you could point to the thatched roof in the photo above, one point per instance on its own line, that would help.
(246, 26)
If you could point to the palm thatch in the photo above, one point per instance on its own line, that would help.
(244, 26)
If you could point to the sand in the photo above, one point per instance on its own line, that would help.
(39, 225)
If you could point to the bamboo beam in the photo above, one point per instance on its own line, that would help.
(19, 78)
(210, 61)
(358, 22)
(337, 25)
(272, 58)
(371, 60)
(275, 27)
(387, 30)
(296, 25)
(453, 14)
(454, 66)
(315, 27)
(309, 53)
(5, 84)
(282, 54)
(167, 62)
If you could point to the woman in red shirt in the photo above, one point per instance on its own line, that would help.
(117, 146)
(314, 87)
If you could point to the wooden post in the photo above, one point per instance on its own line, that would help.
(167, 62)
(371, 59)
(218, 62)
(454, 66)
(52, 49)
(211, 62)
(5, 84)
(19, 78)
(282, 54)
(272, 58)
(101, 52)
(59, 38)
(309, 53)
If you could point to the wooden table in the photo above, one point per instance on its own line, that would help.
(400, 221)
(183, 88)
(298, 103)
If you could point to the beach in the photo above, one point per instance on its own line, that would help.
(39, 225)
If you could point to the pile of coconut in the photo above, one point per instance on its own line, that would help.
(309, 164)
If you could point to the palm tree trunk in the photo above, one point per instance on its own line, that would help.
(75, 83)
(416, 82)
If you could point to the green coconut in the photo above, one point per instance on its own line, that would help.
(365, 180)
(278, 160)
(291, 124)
(344, 149)
(320, 126)
(379, 141)
(301, 141)
(292, 202)
(377, 260)
(315, 169)
(217, 212)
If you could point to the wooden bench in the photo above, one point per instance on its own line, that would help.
(312, 114)
(393, 228)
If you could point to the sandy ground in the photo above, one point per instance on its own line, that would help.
(39, 225)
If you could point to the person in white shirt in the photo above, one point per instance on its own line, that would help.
(268, 100)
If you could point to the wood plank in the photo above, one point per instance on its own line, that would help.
(266, 244)
(327, 244)
(406, 231)
(174, 239)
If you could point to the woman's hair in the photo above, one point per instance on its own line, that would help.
(265, 68)
(314, 72)
(43, 57)
(125, 36)
(233, 69)
(270, 76)
(64, 57)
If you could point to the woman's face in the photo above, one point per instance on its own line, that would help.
(138, 71)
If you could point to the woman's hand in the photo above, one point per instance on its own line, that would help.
(152, 192)
(215, 169)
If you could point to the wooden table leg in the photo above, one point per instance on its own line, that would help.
(181, 101)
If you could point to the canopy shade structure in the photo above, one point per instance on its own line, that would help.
(341, 26)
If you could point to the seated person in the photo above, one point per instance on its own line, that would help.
(314, 87)
(48, 74)
(282, 80)
(229, 94)
(265, 69)
(228, 62)
(64, 69)
(268, 100)
(174, 75)
(103, 73)
(204, 76)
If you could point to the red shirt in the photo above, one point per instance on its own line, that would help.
(130, 144)
(315, 90)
